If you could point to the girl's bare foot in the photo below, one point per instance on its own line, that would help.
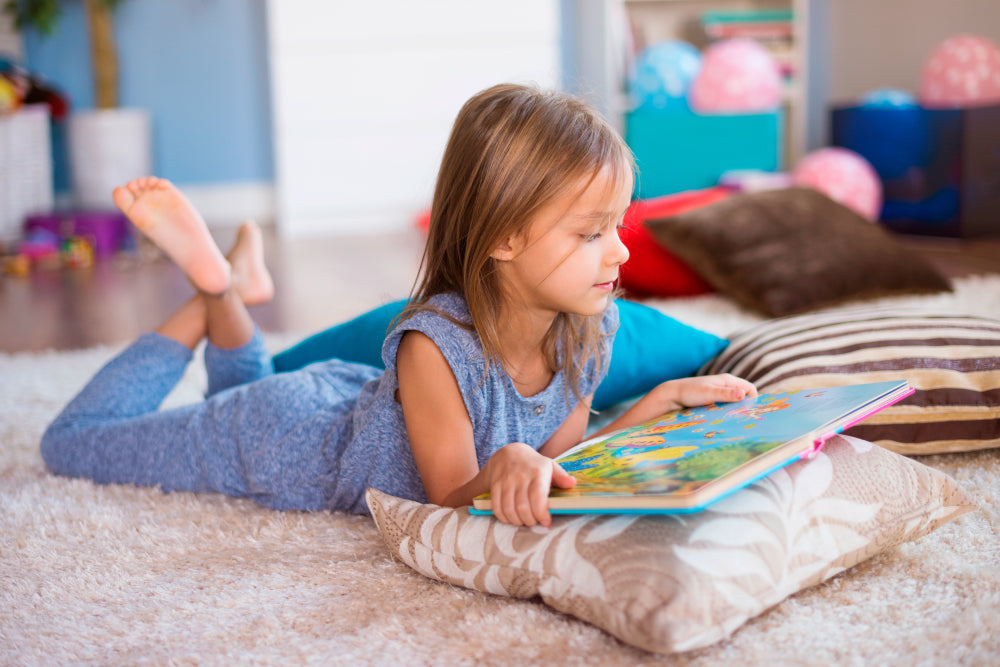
(163, 214)
(251, 279)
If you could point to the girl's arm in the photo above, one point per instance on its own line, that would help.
(570, 433)
(437, 423)
(441, 438)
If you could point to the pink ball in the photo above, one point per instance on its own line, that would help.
(962, 71)
(737, 76)
(843, 176)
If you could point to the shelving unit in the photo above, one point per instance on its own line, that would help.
(603, 38)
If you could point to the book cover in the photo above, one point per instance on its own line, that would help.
(684, 460)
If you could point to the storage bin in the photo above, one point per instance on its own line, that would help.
(681, 150)
(107, 231)
(940, 168)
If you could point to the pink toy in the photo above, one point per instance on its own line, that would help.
(962, 71)
(737, 76)
(39, 244)
(845, 177)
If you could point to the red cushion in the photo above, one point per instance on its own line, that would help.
(423, 220)
(652, 270)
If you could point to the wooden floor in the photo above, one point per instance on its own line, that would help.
(319, 282)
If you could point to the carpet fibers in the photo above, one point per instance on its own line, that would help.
(121, 575)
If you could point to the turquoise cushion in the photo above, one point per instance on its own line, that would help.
(358, 340)
(650, 348)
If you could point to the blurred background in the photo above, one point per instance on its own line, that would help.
(327, 118)
(330, 116)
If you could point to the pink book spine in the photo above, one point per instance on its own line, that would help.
(821, 440)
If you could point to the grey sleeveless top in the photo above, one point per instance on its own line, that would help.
(375, 450)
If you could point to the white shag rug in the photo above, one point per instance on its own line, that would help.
(122, 575)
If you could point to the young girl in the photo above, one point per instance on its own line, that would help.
(489, 372)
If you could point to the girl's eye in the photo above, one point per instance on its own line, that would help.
(593, 237)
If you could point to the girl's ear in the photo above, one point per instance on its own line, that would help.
(508, 249)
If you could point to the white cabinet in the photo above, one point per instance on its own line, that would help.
(25, 167)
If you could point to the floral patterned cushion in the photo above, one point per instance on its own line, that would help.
(674, 583)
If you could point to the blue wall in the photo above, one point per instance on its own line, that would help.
(199, 66)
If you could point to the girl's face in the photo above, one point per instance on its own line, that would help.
(568, 259)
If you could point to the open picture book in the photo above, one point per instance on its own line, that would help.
(685, 460)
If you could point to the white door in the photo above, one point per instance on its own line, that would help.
(364, 93)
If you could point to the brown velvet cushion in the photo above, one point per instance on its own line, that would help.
(788, 251)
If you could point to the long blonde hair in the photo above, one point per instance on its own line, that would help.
(513, 150)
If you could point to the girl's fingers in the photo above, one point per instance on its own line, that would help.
(512, 506)
(522, 498)
(525, 511)
(540, 502)
(561, 478)
(747, 387)
(733, 388)
(497, 497)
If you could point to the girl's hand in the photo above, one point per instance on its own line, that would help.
(694, 391)
(520, 479)
(683, 393)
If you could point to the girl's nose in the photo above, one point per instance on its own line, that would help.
(618, 254)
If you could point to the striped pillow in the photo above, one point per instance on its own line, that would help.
(953, 363)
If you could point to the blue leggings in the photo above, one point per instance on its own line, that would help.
(256, 435)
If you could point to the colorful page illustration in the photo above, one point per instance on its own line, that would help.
(682, 452)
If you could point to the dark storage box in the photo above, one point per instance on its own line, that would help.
(940, 168)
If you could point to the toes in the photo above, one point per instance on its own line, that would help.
(123, 197)
(249, 226)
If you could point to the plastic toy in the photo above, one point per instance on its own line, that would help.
(962, 71)
(43, 249)
(106, 231)
(19, 87)
(16, 265)
(10, 96)
(77, 253)
(39, 244)
(737, 76)
(663, 75)
(843, 176)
